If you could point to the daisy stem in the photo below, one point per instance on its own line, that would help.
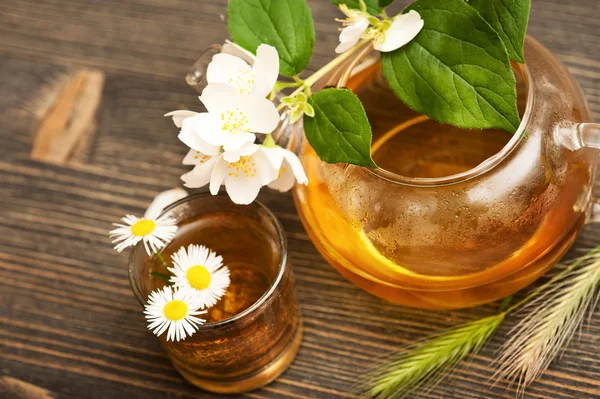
(315, 77)
(161, 276)
(161, 259)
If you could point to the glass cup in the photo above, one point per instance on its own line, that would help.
(253, 333)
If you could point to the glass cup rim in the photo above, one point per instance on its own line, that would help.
(282, 266)
(485, 166)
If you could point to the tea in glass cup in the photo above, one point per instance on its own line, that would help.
(253, 332)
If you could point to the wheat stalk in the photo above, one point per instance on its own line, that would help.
(424, 362)
(535, 341)
(552, 320)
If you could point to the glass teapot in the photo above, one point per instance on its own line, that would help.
(453, 217)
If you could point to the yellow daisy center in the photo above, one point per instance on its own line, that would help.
(175, 310)
(198, 277)
(143, 227)
(245, 166)
(235, 121)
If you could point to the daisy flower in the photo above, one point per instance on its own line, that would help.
(154, 232)
(200, 271)
(174, 312)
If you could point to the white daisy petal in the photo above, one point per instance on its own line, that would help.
(173, 313)
(404, 28)
(180, 115)
(154, 233)
(266, 70)
(199, 272)
(164, 199)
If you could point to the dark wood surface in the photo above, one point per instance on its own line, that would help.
(70, 326)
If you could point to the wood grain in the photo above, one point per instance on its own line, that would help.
(69, 325)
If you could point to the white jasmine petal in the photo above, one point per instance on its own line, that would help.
(224, 100)
(356, 24)
(266, 70)
(231, 70)
(404, 28)
(288, 167)
(235, 155)
(351, 35)
(242, 191)
(244, 178)
(219, 173)
(191, 130)
(233, 49)
(180, 115)
(201, 174)
(235, 71)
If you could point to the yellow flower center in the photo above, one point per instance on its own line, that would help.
(244, 81)
(245, 166)
(198, 277)
(143, 227)
(235, 121)
(201, 159)
(175, 310)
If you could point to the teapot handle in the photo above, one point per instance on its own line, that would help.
(578, 135)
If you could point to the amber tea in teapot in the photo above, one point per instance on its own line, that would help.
(453, 217)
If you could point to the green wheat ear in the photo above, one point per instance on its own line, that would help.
(556, 310)
(425, 362)
(550, 322)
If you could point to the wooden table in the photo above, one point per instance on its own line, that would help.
(71, 328)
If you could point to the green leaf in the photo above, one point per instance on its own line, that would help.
(286, 25)
(456, 70)
(340, 130)
(509, 18)
(385, 3)
(374, 7)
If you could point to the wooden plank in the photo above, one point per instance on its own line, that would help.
(70, 327)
